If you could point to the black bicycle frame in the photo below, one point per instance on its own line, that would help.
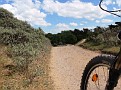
(114, 73)
(115, 69)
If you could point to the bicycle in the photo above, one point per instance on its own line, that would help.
(110, 65)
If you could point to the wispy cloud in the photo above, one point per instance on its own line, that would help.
(73, 24)
(62, 26)
(107, 2)
(104, 21)
(97, 21)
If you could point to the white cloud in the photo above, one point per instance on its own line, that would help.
(74, 9)
(59, 27)
(91, 27)
(62, 26)
(119, 3)
(88, 27)
(97, 21)
(106, 21)
(27, 10)
(83, 23)
(107, 2)
(112, 3)
(73, 24)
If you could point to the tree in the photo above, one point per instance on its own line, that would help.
(79, 34)
(68, 37)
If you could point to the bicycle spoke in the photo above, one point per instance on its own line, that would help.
(100, 81)
(98, 78)
(89, 86)
(96, 73)
(104, 74)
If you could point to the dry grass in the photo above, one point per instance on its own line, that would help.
(35, 78)
(101, 47)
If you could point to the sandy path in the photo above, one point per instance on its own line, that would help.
(67, 64)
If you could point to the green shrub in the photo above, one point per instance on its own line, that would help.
(23, 41)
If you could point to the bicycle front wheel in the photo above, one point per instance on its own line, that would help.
(96, 73)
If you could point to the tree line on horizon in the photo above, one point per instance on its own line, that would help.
(67, 37)
(98, 35)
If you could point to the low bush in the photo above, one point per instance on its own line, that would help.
(24, 45)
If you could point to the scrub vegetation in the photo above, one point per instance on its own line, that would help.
(24, 55)
(103, 39)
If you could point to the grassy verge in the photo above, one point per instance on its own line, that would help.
(35, 78)
(101, 47)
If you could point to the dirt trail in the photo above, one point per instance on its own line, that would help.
(67, 64)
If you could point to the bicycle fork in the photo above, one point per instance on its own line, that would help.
(113, 79)
(114, 74)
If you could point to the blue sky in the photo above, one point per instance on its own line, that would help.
(55, 16)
